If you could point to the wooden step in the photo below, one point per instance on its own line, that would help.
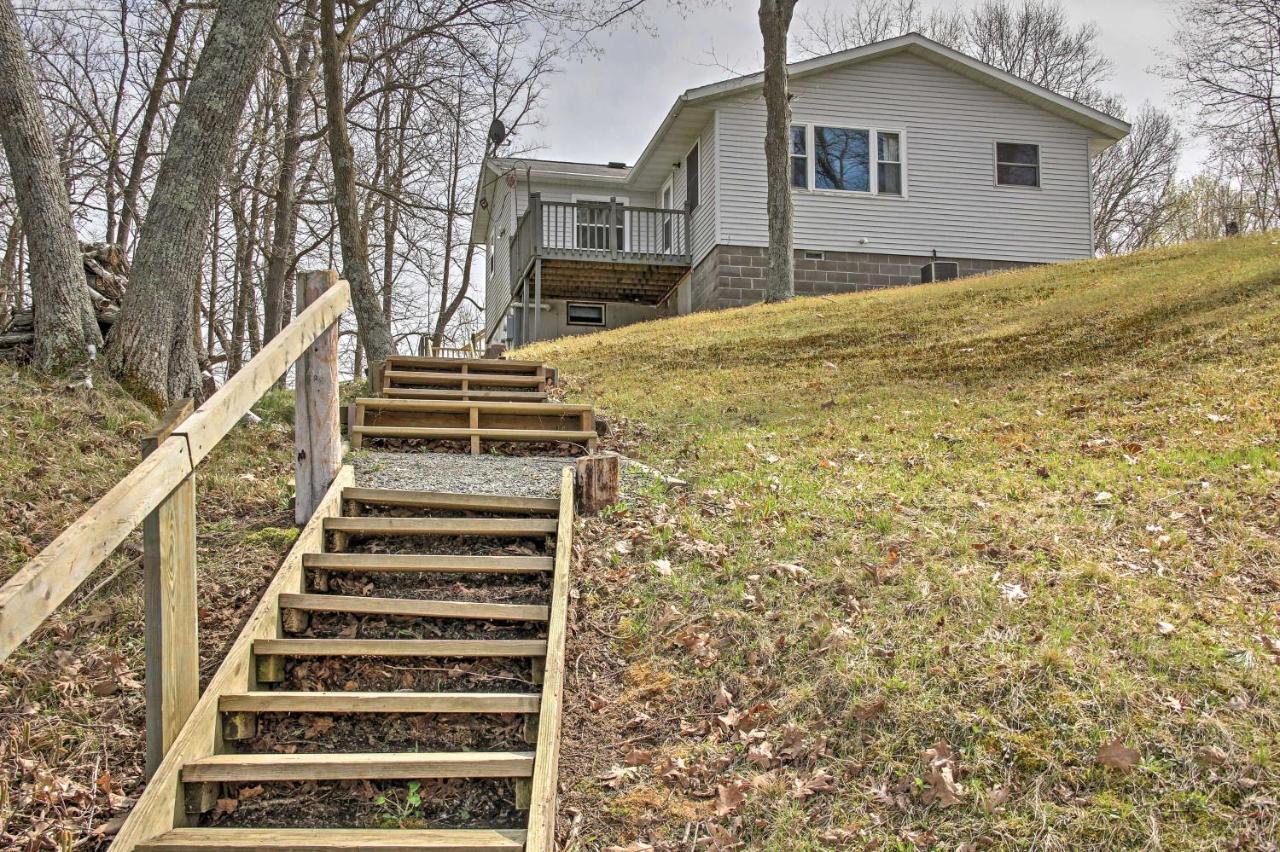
(455, 502)
(325, 839)
(400, 648)
(371, 766)
(395, 563)
(484, 406)
(493, 527)
(445, 433)
(454, 393)
(413, 608)
(280, 701)
(420, 377)
(479, 365)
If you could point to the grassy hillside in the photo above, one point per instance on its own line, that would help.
(71, 730)
(992, 562)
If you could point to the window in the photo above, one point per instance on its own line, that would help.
(1017, 164)
(841, 159)
(581, 313)
(815, 255)
(667, 222)
(888, 164)
(799, 157)
(692, 178)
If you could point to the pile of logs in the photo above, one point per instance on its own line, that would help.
(106, 272)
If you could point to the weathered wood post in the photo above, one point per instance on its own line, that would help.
(597, 482)
(169, 568)
(315, 424)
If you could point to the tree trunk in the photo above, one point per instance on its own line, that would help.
(301, 74)
(9, 274)
(371, 326)
(775, 22)
(66, 331)
(150, 350)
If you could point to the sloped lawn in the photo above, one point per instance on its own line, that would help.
(991, 564)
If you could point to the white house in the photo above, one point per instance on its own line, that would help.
(903, 152)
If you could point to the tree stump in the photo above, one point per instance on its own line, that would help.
(597, 483)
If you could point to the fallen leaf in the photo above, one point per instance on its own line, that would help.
(1013, 592)
(1165, 628)
(867, 712)
(1117, 755)
(1211, 756)
(940, 773)
(819, 782)
(638, 757)
(617, 776)
(729, 797)
(662, 566)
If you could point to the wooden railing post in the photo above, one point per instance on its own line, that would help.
(315, 425)
(169, 568)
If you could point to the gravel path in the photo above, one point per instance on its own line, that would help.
(523, 476)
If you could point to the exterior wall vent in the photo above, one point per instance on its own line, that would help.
(815, 255)
(939, 270)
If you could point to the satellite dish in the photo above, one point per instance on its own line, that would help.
(497, 132)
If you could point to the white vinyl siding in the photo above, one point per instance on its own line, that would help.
(949, 125)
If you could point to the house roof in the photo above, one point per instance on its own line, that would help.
(683, 123)
(692, 106)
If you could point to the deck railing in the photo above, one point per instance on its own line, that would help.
(159, 494)
(592, 231)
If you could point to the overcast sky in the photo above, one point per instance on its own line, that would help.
(606, 106)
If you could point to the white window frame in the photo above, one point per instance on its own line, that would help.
(624, 200)
(604, 315)
(995, 165)
(668, 236)
(873, 150)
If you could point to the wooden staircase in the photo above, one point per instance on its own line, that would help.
(468, 403)
(437, 525)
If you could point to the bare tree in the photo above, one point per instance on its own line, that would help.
(1132, 184)
(151, 349)
(775, 24)
(1226, 62)
(375, 335)
(66, 331)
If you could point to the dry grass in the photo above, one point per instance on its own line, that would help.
(1027, 516)
(72, 714)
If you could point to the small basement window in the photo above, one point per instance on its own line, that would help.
(582, 313)
(1017, 164)
(814, 255)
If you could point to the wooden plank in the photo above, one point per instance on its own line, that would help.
(453, 393)
(169, 594)
(477, 365)
(412, 608)
(458, 432)
(445, 500)
(40, 586)
(497, 648)
(279, 701)
(215, 418)
(483, 406)
(504, 527)
(389, 563)
(359, 766)
(161, 806)
(542, 810)
(414, 377)
(322, 839)
(317, 442)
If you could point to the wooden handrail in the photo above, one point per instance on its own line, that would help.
(31, 595)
